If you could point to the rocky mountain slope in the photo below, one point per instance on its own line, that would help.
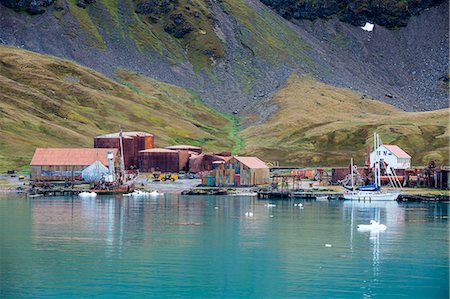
(46, 101)
(389, 13)
(318, 124)
(237, 52)
(51, 102)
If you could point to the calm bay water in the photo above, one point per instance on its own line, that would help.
(196, 246)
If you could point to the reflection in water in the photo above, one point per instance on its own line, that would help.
(193, 246)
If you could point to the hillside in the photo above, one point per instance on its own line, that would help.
(51, 102)
(237, 52)
(46, 101)
(316, 124)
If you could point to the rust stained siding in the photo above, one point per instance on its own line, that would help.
(133, 142)
(242, 171)
(203, 162)
(159, 160)
(183, 147)
(183, 160)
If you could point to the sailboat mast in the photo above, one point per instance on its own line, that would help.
(351, 169)
(379, 164)
(122, 162)
(375, 172)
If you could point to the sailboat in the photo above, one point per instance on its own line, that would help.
(373, 191)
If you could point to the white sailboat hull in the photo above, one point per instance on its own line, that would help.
(371, 195)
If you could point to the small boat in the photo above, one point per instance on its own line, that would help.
(373, 226)
(87, 194)
(372, 195)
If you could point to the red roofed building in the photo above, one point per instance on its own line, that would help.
(60, 163)
(393, 155)
(241, 171)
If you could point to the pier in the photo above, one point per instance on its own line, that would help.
(56, 191)
(272, 194)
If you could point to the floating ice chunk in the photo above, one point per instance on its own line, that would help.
(87, 194)
(368, 27)
(373, 226)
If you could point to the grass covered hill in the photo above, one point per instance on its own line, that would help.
(318, 124)
(45, 101)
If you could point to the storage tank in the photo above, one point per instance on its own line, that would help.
(183, 147)
(159, 159)
(133, 142)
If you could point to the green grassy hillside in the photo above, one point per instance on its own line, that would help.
(45, 101)
(317, 124)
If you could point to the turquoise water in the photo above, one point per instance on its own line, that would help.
(191, 246)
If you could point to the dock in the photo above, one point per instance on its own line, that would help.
(56, 191)
(272, 194)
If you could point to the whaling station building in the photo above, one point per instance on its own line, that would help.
(393, 155)
(238, 171)
(54, 164)
(133, 143)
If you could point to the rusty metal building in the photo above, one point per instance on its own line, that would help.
(183, 147)
(133, 142)
(161, 159)
(205, 162)
(54, 164)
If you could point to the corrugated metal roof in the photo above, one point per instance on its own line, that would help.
(70, 156)
(225, 158)
(158, 150)
(183, 146)
(398, 152)
(125, 135)
(251, 162)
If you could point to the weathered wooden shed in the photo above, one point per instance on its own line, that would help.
(242, 171)
(50, 164)
(133, 142)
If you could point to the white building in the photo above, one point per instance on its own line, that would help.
(394, 156)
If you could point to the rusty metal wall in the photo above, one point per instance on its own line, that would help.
(159, 161)
(131, 147)
(183, 160)
(203, 162)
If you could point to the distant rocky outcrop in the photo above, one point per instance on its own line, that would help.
(235, 53)
(33, 7)
(389, 13)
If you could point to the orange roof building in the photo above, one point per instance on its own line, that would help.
(62, 163)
